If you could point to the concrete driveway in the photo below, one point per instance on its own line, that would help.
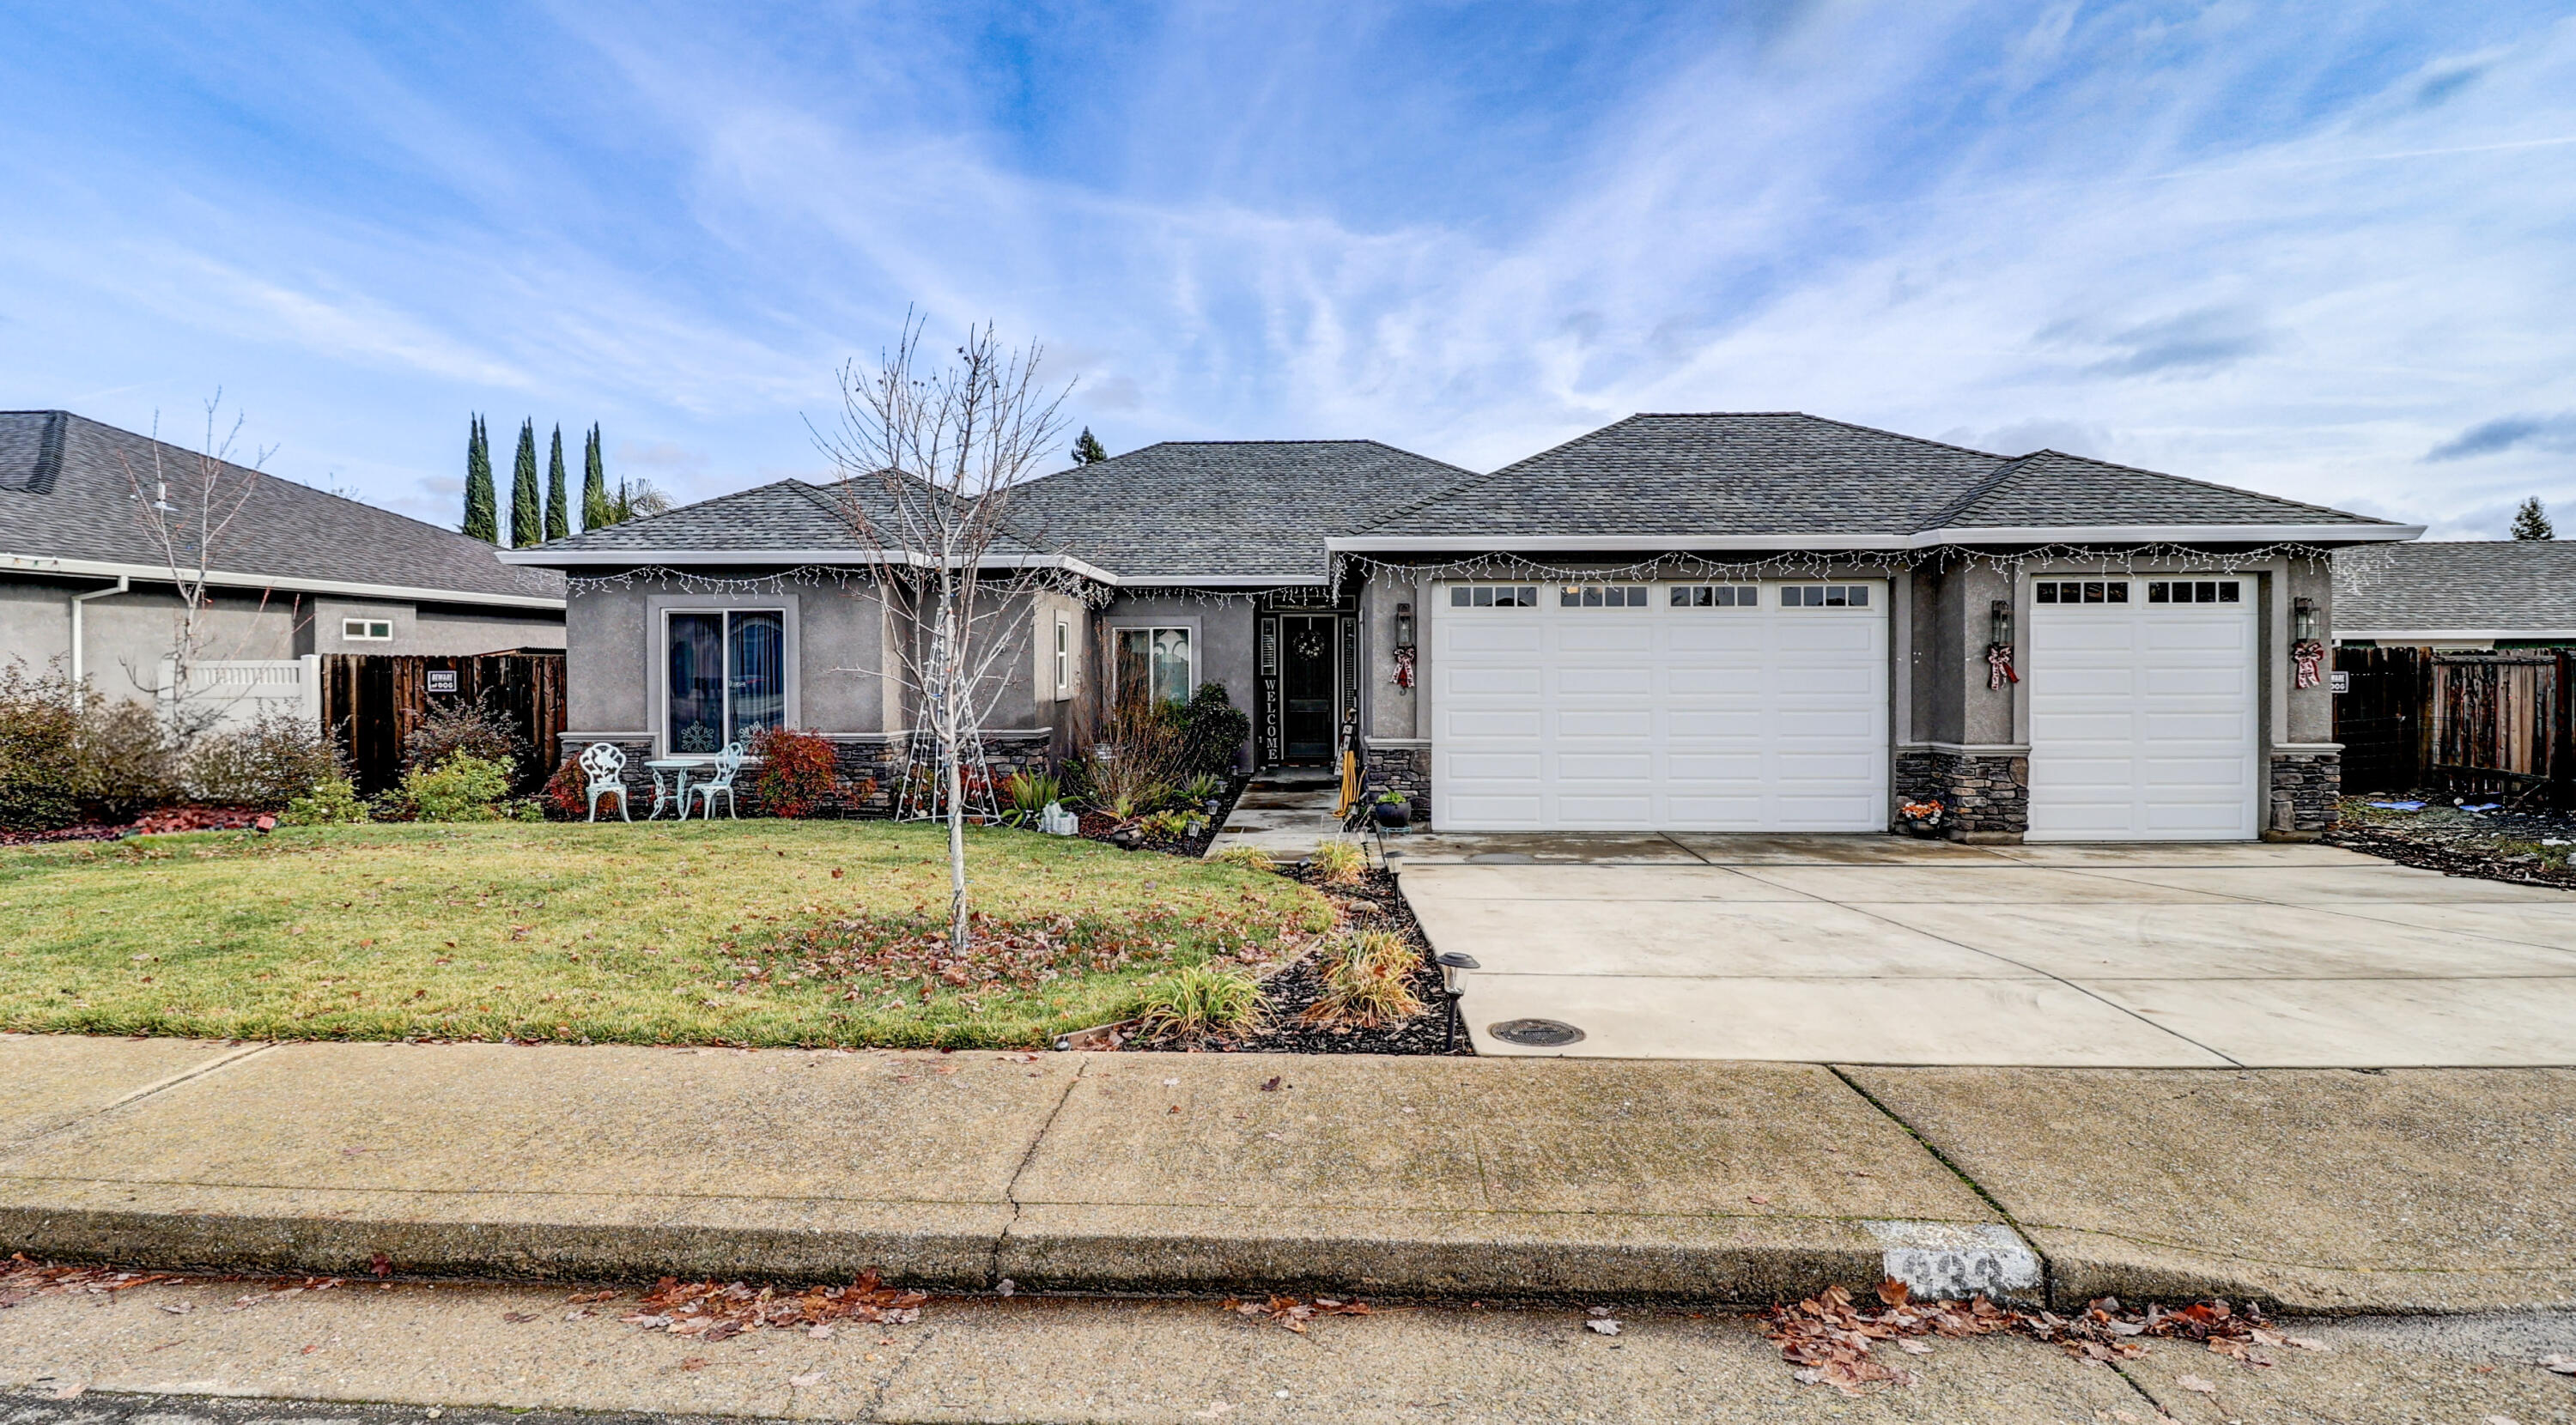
(1876, 949)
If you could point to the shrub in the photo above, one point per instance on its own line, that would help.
(1199, 1001)
(567, 792)
(462, 788)
(472, 729)
(1367, 982)
(1251, 858)
(333, 800)
(1144, 749)
(1338, 862)
(1030, 792)
(271, 762)
(128, 759)
(1174, 825)
(795, 772)
(1200, 788)
(40, 717)
(1213, 731)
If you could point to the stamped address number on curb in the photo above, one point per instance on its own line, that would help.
(1956, 1260)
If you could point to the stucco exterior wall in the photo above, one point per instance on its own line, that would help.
(1220, 634)
(125, 636)
(435, 630)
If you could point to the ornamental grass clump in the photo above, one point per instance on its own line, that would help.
(1338, 862)
(1199, 1001)
(1367, 982)
(1249, 857)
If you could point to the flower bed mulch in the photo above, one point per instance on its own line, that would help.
(1101, 826)
(2498, 845)
(151, 823)
(1373, 904)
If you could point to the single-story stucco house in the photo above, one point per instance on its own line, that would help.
(296, 571)
(1732, 622)
(2457, 595)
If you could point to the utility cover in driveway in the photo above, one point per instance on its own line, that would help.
(1742, 706)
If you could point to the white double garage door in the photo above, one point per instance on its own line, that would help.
(1766, 707)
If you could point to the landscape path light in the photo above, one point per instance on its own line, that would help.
(1454, 965)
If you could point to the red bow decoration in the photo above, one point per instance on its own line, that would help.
(1404, 667)
(2307, 656)
(1999, 667)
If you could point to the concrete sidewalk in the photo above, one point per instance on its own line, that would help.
(1693, 1181)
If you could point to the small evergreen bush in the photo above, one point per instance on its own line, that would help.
(40, 717)
(1213, 731)
(269, 763)
(333, 801)
(462, 788)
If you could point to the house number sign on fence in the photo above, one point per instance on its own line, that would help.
(443, 680)
(2343, 682)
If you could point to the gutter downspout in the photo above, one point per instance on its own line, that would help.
(80, 671)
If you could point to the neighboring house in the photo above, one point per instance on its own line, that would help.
(1756, 622)
(2457, 595)
(296, 572)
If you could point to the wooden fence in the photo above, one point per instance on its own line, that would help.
(2491, 723)
(372, 701)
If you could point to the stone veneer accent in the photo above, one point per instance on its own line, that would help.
(2305, 786)
(1400, 769)
(854, 758)
(1987, 795)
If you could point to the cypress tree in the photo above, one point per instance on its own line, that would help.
(2532, 522)
(558, 518)
(481, 520)
(594, 484)
(526, 518)
(1087, 449)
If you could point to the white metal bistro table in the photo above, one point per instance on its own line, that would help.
(679, 768)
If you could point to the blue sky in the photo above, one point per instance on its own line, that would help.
(2326, 250)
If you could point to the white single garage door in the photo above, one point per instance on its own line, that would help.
(2142, 710)
(1683, 707)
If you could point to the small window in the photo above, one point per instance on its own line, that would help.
(1156, 661)
(367, 630)
(1493, 596)
(2081, 591)
(1602, 596)
(1825, 596)
(1063, 656)
(1716, 596)
(2195, 591)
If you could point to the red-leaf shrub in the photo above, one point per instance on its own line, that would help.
(567, 793)
(795, 770)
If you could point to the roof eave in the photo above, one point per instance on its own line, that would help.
(1379, 543)
(1794, 539)
(2450, 635)
(2172, 534)
(230, 579)
(595, 558)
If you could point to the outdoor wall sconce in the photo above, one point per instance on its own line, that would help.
(1999, 645)
(1454, 965)
(2307, 654)
(1404, 646)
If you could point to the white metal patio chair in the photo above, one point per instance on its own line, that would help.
(605, 767)
(728, 763)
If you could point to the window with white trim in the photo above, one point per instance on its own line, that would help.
(1064, 655)
(2080, 591)
(727, 677)
(1493, 596)
(2195, 591)
(367, 630)
(1825, 596)
(1602, 596)
(1716, 596)
(1158, 661)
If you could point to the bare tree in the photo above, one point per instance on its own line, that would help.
(927, 459)
(186, 506)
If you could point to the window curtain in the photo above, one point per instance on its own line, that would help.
(697, 682)
(757, 690)
(1156, 660)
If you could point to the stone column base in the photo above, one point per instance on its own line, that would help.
(1401, 769)
(1986, 794)
(2306, 785)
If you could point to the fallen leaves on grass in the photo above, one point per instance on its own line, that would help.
(1289, 1312)
(713, 1311)
(1833, 1342)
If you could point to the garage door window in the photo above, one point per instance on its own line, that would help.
(1603, 596)
(2081, 591)
(1716, 596)
(1493, 596)
(2194, 591)
(1825, 596)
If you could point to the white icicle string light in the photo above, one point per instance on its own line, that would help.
(804, 576)
(1825, 563)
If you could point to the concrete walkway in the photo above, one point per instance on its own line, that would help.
(1487, 1178)
(1879, 949)
(1284, 811)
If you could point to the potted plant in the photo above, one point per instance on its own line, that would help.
(1921, 818)
(1394, 810)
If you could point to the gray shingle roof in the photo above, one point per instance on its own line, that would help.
(1784, 472)
(2490, 586)
(66, 493)
(1238, 508)
(786, 516)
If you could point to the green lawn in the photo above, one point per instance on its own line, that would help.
(703, 933)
